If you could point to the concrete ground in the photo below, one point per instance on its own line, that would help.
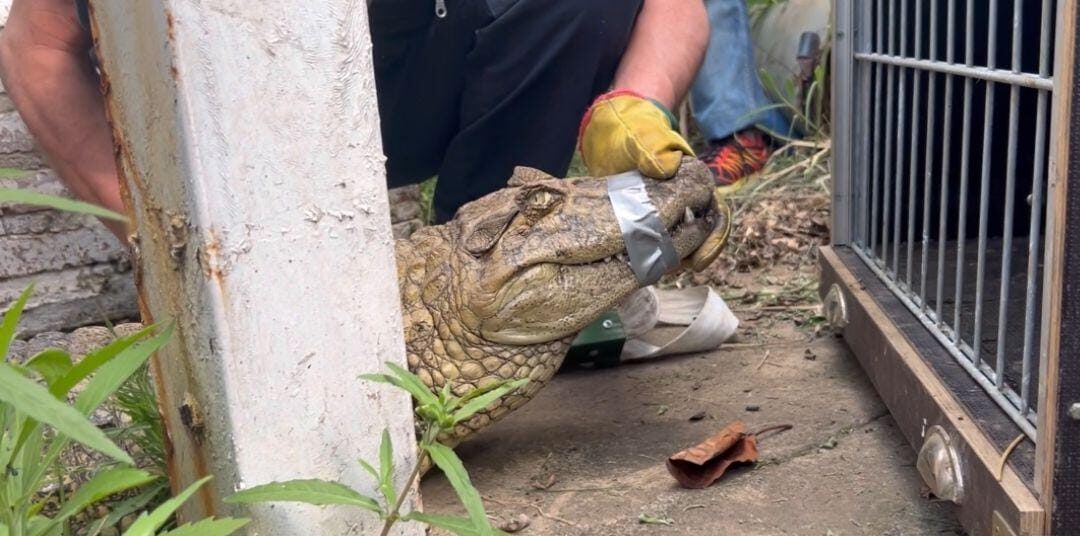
(586, 457)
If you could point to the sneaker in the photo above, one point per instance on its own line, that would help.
(737, 157)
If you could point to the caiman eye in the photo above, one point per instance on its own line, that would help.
(539, 201)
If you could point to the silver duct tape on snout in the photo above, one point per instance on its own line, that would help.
(648, 245)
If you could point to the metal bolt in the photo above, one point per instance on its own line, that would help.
(1074, 411)
(608, 324)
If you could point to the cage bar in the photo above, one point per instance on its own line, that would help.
(965, 169)
(1010, 189)
(946, 160)
(1001, 76)
(928, 158)
(886, 173)
(1035, 227)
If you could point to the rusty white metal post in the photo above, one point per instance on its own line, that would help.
(248, 139)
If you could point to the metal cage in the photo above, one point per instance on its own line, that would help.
(952, 155)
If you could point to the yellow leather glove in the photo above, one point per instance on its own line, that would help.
(623, 131)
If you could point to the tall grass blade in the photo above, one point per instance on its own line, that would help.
(94, 360)
(24, 197)
(129, 506)
(103, 485)
(148, 523)
(11, 321)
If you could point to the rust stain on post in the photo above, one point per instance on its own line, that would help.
(145, 216)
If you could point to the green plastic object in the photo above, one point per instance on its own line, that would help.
(600, 344)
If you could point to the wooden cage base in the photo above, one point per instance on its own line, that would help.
(923, 387)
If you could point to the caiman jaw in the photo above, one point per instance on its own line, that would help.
(712, 246)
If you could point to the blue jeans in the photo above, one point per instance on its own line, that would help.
(727, 96)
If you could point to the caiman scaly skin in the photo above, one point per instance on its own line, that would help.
(500, 291)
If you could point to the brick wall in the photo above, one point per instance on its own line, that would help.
(81, 273)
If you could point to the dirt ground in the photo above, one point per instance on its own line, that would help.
(600, 438)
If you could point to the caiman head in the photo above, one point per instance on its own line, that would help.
(500, 291)
(545, 257)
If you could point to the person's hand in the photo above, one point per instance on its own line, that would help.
(623, 131)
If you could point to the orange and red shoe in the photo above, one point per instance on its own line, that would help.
(737, 157)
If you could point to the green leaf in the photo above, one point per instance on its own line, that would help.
(37, 522)
(33, 400)
(116, 371)
(94, 360)
(485, 399)
(51, 363)
(147, 523)
(647, 519)
(367, 467)
(405, 380)
(130, 506)
(11, 321)
(103, 485)
(209, 527)
(386, 469)
(451, 466)
(24, 197)
(316, 492)
(459, 526)
(112, 366)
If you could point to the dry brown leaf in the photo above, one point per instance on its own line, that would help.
(699, 466)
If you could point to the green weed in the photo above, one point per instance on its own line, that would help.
(37, 425)
(438, 414)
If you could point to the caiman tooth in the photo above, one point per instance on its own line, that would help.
(688, 216)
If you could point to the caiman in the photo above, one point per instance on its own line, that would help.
(500, 291)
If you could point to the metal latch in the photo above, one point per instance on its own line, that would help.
(835, 308)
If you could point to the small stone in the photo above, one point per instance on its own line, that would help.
(753, 408)
(85, 340)
(809, 355)
(127, 521)
(698, 416)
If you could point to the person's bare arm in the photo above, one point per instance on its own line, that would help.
(46, 71)
(666, 49)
